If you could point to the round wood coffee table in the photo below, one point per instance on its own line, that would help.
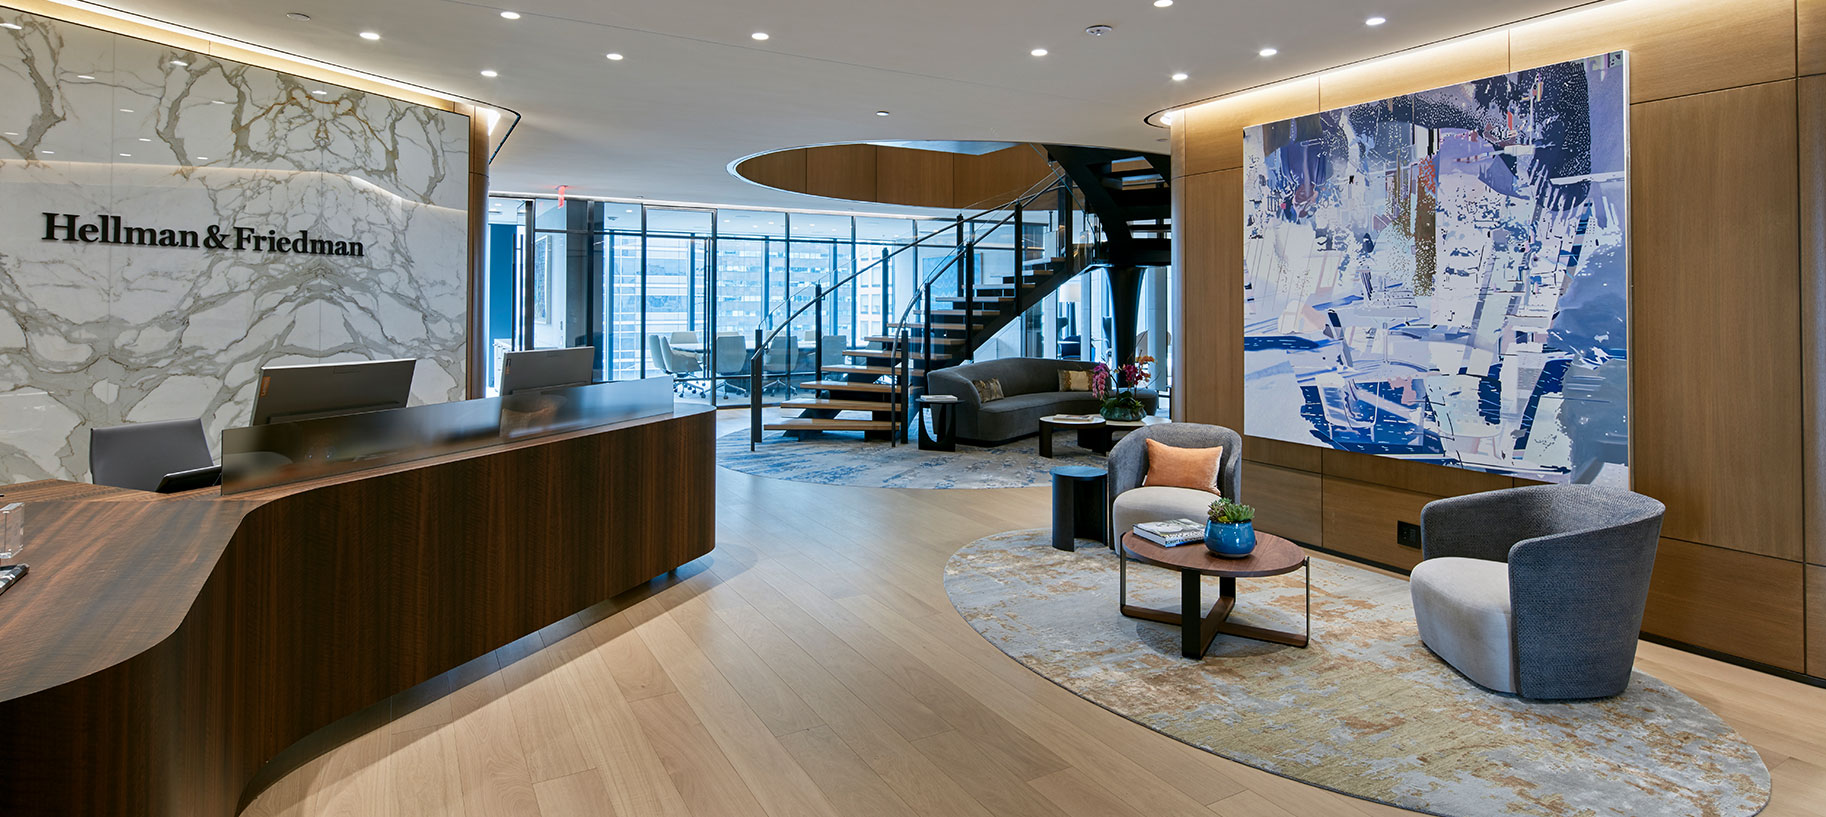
(1273, 556)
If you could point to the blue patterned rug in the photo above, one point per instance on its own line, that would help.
(1366, 710)
(844, 458)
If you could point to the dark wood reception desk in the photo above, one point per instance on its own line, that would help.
(164, 647)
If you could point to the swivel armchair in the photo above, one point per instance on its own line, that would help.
(1537, 591)
(1132, 502)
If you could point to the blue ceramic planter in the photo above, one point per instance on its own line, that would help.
(1231, 540)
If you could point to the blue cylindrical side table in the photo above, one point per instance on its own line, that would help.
(1080, 505)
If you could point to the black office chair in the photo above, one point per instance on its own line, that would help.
(137, 456)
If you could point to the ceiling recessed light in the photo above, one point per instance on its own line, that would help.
(1038, 52)
(1375, 21)
(298, 16)
(1269, 51)
(614, 56)
(1181, 77)
(759, 35)
(1160, 4)
(490, 73)
(370, 35)
(881, 113)
(510, 15)
(180, 63)
(85, 76)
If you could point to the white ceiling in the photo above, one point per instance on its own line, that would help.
(696, 93)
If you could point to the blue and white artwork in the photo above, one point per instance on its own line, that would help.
(1444, 276)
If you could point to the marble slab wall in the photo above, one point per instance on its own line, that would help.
(93, 334)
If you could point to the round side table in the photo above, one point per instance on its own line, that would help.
(1080, 505)
(943, 436)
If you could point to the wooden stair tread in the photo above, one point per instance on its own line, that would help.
(917, 341)
(838, 385)
(851, 368)
(839, 405)
(826, 424)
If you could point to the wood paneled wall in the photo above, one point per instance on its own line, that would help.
(1728, 170)
(906, 176)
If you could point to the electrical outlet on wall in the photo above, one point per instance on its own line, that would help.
(1407, 534)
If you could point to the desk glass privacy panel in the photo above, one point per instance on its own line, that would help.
(262, 456)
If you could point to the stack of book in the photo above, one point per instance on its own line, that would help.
(1172, 533)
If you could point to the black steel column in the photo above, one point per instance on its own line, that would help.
(1125, 303)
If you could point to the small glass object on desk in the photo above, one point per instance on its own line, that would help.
(12, 530)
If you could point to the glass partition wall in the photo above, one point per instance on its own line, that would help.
(662, 290)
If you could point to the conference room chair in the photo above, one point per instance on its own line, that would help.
(686, 336)
(778, 361)
(138, 455)
(681, 365)
(729, 357)
(1537, 591)
(831, 354)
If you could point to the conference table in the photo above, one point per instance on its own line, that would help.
(166, 648)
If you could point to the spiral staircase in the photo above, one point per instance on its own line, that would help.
(1109, 209)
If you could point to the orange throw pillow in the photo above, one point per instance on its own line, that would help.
(1173, 467)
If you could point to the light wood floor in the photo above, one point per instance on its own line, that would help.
(814, 666)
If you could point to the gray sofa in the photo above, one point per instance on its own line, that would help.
(1031, 386)
(1537, 591)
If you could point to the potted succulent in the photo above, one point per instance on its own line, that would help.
(1116, 388)
(1230, 530)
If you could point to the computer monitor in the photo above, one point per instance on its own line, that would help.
(533, 370)
(312, 391)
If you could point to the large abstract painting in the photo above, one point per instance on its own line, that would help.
(1444, 276)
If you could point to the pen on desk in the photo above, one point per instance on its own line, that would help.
(10, 574)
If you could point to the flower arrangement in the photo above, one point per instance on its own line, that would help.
(1116, 388)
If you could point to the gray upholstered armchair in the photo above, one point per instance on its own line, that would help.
(1537, 591)
(1131, 502)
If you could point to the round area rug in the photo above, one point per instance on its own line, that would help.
(844, 458)
(1366, 710)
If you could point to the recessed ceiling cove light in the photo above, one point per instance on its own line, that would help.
(1181, 77)
(614, 56)
(490, 73)
(370, 35)
(1375, 21)
(1269, 51)
(1160, 4)
(1166, 118)
(510, 15)
(759, 35)
(298, 16)
(1039, 52)
(881, 113)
